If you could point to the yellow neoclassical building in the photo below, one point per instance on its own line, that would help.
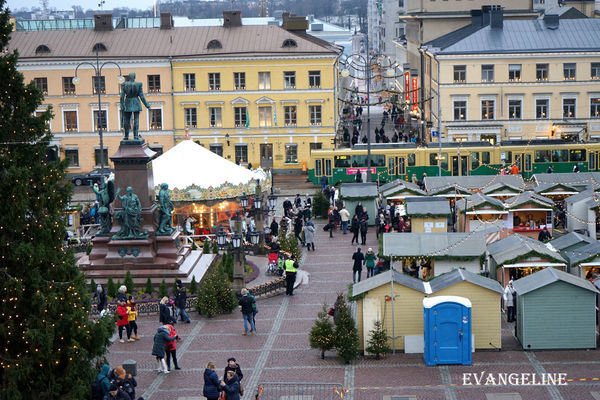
(515, 80)
(254, 94)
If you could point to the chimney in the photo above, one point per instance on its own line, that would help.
(476, 17)
(485, 15)
(552, 21)
(166, 20)
(232, 19)
(103, 22)
(293, 23)
(496, 17)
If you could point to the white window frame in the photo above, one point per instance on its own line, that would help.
(162, 116)
(508, 100)
(219, 120)
(487, 98)
(264, 122)
(542, 97)
(62, 116)
(42, 109)
(285, 150)
(592, 96)
(185, 120)
(466, 100)
(562, 103)
(103, 107)
(320, 123)
(264, 84)
(70, 149)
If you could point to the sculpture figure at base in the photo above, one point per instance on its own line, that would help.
(131, 94)
(105, 196)
(165, 228)
(129, 217)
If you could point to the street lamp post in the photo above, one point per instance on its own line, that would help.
(98, 70)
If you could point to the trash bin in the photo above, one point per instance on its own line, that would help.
(130, 367)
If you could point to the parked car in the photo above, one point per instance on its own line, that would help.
(95, 176)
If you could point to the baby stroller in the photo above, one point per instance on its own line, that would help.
(272, 267)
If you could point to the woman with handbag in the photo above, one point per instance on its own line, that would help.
(212, 384)
(231, 386)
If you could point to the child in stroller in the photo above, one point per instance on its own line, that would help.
(272, 268)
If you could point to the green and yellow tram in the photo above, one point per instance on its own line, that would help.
(392, 161)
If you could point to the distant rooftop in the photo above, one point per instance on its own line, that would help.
(84, 23)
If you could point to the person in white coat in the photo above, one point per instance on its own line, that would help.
(509, 301)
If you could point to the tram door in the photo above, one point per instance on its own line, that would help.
(593, 158)
(523, 161)
(460, 165)
(396, 167)
(323, 167)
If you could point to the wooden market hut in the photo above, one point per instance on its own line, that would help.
(485, 295)
(556, 191)
(529, 213)
(502, 190)
(396, 299)
(578, 180)
(555, 310)
(428, 214)
(517, 256)
(479, 212)
(583, 213)
(584, 261)
(366, 193)
(434, 254)
(398, 190)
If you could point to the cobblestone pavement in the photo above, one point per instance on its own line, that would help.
(280, 351)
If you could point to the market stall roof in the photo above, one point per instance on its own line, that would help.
(351, 191)
(386, 277)
(473, 182)
(527, 198)
(477, 201)
(579, 180)
(547, 276)
(582, 254)
(399, 186)
(552, 189)
(453, 190)
(427, 207)
(570, 241)
(190, 164)
(501, 189)
(518, 247)
(459, 275)
(581, 196)
(453, 244)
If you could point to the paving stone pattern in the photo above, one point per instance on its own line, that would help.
(280, 351)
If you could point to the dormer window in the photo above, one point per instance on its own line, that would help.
(98, 47)
(42, 49)
(289, 43)
(214, 44)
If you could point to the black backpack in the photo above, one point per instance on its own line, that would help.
(97, 392)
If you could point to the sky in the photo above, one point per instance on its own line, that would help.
(85, 4)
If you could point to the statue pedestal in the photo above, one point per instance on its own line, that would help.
(157, 257)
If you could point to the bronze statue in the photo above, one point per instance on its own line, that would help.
(105, 196)
(129, 217)
(131, 94)
(165, 228)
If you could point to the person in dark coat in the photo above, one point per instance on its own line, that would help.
(274, 228)
(231, 386)
(165, 313)
(298, 228)
(124, 381)
(544, 235)
(246, 302)
(324, 182)
(363, 230)
(101, 300)
(358, 176)
(103, 378)
(355, 229)
(358, 258)
(232, 365)
(180, 302)
(114, 393)
(161, 337)
(212, 383)
(358, 210)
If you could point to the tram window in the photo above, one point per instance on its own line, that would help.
(433, 159)
(341, 161)
(391, 166)
(318, 167)
(560, 155)
(359, 161)
(412, 160)
(445, 161)
(577, 155)
(474, 160)
(485, 157)
(542, 156)
(377, 160)
(509, 157)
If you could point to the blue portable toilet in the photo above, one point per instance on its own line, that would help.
(447, 330)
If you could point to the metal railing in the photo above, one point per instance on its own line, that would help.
(300, 391)
(87, 232)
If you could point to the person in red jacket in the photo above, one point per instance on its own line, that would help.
(171, 348)
(123, 321)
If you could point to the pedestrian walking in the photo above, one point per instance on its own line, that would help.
(331, 221)
(364, 227)
(345, 218)
(298, 228)
(274, 228)
(123, 321)
(180, 302)
(161, 337)
(132, 316)
(309, 235)
(358, 210)
(212, 383)
(355, 229)
(358, 258)
(247, 312)
(231, 386)
(164, 311)
(101, 300)
(370, 258)
(324, 182)
(509, 301)
(171, 348)
(291, 266)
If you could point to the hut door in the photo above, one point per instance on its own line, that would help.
(371, 313)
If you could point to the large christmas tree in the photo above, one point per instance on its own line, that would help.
(48, 342)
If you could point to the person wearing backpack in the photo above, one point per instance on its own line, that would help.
(101, 385)
(125, 382)
(114, 393)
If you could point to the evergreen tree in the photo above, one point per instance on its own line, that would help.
(162, 289)
(215, 247)
(49, 341)
(378, 340)
(193, 286)
(128, 282)
(215, 297)
(320, 204)
(322, 334)
(206, 247)
(174, 286)
(346, 334)
(93, 286)
(149, 288)
(111, 289)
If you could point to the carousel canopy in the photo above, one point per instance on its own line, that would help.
(195, 173)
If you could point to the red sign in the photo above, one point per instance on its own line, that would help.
(407, 86)
(353, 171)
(415, 93)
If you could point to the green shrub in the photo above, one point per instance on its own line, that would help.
(149, 288)
(206, 247)
(321, 335)
(320, 205)
(215, 247)
(162, 290)
(214, 296)
(88, 249)
(93, 286)
(193, 286)
(128, 282)
(111, 289)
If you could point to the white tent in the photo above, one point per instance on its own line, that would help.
(189, 164)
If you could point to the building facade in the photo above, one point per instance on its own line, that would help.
(263, 95)
(515, 80)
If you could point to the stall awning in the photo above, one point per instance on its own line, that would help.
(533, 265)
(558, 193)
(486, 212)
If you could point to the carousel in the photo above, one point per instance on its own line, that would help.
(206, 189)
